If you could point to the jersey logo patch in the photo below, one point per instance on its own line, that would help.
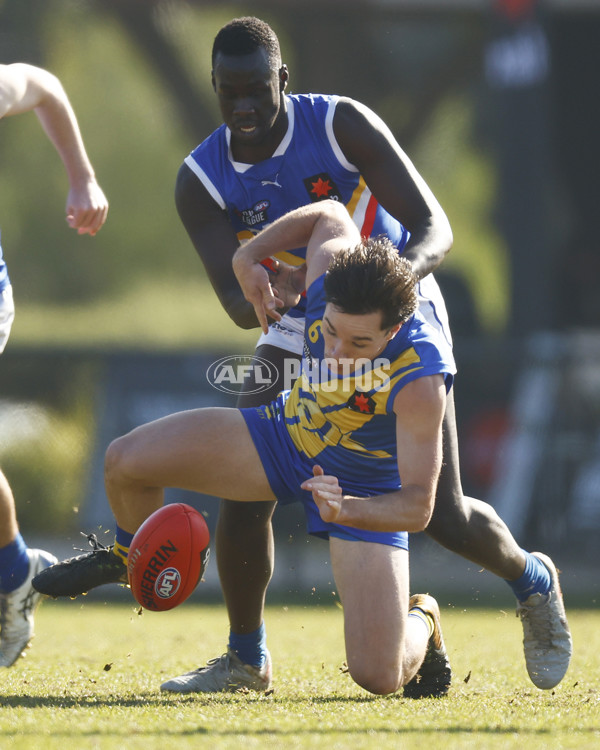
(361, 402)
(320, 187)
(255, 215)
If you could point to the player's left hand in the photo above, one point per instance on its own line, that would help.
(87, 208)
(326, 493)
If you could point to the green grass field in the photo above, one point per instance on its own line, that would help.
(91, 680)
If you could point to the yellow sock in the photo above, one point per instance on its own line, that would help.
(121, 552)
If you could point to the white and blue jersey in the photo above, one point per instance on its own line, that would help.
(307, 166)
(7, 306)
(4, 280)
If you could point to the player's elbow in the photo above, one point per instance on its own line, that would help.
(421, 510)
(238, 309)
(244, 317)
(420, 523)
(425, 519)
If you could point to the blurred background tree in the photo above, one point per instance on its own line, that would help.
(138, 74)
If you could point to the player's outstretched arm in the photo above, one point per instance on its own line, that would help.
(24, 88)
(419, 408)
(368, 144)
(324, 228)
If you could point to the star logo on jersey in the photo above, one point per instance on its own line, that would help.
(361, 402)
(320, 187)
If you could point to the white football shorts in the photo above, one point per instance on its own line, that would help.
(286, 334)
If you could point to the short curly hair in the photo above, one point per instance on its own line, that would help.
(373, 277)
(243, 36)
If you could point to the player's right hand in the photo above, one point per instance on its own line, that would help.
(326, 493)
(87, 208)
(255, 282)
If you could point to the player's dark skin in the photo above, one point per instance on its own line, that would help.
(250, 92)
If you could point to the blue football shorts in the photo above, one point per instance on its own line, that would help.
(286, 469)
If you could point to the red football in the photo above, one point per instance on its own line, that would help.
(167, 557)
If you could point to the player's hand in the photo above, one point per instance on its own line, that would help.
(254, 279)
(288, 282)
(326, 493)
(86, 208)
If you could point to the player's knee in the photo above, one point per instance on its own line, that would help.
(377, 680)
(464, 521)
(119, 462)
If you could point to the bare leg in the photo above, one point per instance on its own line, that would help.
(245, 559)
(384, 647)
(467, 526)
(244, 534)
(189, 450)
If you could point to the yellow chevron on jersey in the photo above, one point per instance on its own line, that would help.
(405, 364)
(356, 195)
(326, 411)
(293, 258)
(312, 431)
(333, 411)
(360, 204)
(290, 258)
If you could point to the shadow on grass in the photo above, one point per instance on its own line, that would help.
(245, 732)
(167, 700)
(82, 701)
(145, 700)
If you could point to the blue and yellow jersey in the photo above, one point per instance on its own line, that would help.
(345, 421)
(307, 166)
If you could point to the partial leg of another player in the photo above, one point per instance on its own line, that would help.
(473, 529)
(245, 558)
(18, 565)
(212, 452)
(245, 553)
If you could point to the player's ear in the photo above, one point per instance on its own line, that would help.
(284, 77)
(393, 331)
(212, 80)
